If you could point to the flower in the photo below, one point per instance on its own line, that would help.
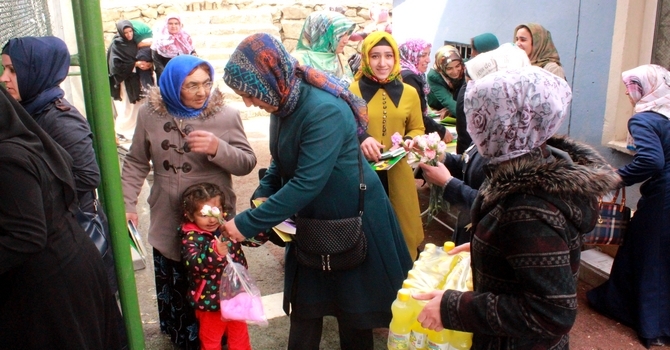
(214, 212)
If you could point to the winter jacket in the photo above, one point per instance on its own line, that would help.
(528, 221)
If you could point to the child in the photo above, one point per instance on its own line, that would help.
(204, 254)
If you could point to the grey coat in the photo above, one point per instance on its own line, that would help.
(175, 169)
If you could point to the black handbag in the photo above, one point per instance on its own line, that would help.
(95, 228)
(332, 245)
(613, 220)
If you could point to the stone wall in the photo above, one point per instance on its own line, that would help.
(287, 16)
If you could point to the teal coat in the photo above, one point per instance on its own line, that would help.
(315, 173)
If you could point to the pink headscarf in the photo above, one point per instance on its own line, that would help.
(512, 112)
(649, 87)
(409, 58)
(172, 45)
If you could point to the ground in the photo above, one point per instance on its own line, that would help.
(591, 330)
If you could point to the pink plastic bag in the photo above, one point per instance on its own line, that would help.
(240, 298)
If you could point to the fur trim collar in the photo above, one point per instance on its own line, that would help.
(155, 101)
(589, 175)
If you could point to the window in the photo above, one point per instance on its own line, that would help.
(465, 50)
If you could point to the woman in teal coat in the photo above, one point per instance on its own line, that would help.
(315, 173)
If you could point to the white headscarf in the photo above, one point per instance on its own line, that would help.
(649, 87)
(512, 112)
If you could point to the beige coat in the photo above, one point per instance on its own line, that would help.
(234, 157)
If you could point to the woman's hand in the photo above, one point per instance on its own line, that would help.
(436, 175)
(371, 149)
(444, 112)
(448, 137)
(465, 247)
(430, 317)
(408, 145)
(201, 141)
(229, 230)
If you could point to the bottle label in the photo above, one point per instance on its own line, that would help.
(418, 340)
(437, 346)
(398, 341)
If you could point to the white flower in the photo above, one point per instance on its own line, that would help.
(216, 212)
(206, 209)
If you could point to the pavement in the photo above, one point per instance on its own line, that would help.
(591, 330)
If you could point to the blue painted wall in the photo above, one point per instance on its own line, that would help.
(581, 29)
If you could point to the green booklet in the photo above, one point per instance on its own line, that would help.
(388, 163)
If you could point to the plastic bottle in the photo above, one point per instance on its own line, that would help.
(439, 340)
(460, 340)
(448, 245)
(418, 337)
(403, 316)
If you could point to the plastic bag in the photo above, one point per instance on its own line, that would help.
(239, 295)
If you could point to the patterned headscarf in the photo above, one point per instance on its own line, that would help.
(368, 43)
(172, 80)
(172, 45)
(319, 39)
(445, 55)
(544, 50)
(41, 64)
(261, 67)
(410, 52)
(649, 87)
(512, 112)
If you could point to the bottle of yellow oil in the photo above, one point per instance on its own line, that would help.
(403, 316)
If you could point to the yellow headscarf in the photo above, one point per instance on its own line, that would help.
(370, 41)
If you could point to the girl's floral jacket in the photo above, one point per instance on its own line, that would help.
(205, 265)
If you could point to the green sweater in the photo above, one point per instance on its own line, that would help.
(440, 96)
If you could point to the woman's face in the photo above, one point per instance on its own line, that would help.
(424, 60)
(128, 33)
(632, 102)
(196, 89)
(524, 40)
(455, 69)
(382, 60)
(255, 101)
(342, 43)
(9, 78)
(173, 26)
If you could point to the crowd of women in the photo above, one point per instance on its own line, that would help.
(525, 195)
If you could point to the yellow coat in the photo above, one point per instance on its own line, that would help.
(407, 120)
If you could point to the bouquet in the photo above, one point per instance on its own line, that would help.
(428, 149)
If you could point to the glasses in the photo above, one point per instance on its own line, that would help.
(166, 145)
(186, 167)
(194, 88)
(169, 126)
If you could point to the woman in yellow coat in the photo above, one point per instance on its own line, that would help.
(392, 107)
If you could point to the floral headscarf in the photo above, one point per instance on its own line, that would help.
(172, 45)
(544, 50)
(368, 43)
(172, 80)
(319, 39)
(410, 52)
(512, 112)
(649, 87)
(261, 67)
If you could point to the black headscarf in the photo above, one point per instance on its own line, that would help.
(121, 57)
(41, 64)
(17, 128)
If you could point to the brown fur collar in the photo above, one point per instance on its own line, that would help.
(589, 174)
(155, 101)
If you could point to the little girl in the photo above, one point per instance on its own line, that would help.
(204, 254)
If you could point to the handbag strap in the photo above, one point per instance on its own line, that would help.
(361, 186)
(615, 197)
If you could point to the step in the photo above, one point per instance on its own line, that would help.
(595, 266)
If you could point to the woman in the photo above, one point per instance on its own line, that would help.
(394, 107)
(483, 43)
(191, 136)
(322, 40)
(55, 293)
(305, 146)
(536, 41)
(528, 217)
(638, 289)
(414, 60)
(445, 79)
(170, 40)
(124, 80)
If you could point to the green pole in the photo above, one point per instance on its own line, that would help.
(88, 23)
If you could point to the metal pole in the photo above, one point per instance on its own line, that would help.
(88, 24)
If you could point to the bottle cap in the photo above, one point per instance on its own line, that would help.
(429, 247)
(449, 245)
(404, 294)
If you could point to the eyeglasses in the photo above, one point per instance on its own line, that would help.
(186, 167)
(166, 145)
(169, 126)
(194, 88)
